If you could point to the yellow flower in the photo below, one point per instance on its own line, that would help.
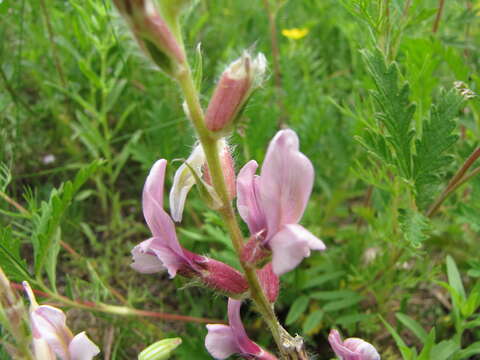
(295, 33)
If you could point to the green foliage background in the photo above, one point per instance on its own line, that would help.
(370, 92)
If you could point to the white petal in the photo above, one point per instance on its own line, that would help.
(183, 182)
(82, 348)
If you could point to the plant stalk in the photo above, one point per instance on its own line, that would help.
(210, 147)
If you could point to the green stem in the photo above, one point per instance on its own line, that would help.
(210, 147)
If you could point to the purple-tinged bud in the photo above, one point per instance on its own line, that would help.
(153, 33)
(222, 277)
(352, 348)
(233, 90)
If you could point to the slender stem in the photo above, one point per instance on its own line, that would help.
(117, 310)
(210, 147)
(459, 179)
(436, 24)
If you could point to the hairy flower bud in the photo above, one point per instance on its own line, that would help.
(153, 33)
(233, 90)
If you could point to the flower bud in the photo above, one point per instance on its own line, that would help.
(161, 350)
(222, 277)
(153, 33)
(233, 90)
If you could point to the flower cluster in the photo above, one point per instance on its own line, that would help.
(271, 203)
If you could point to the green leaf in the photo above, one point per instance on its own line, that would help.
(473, 349)
(313, 321)
(407, 353)
(454, 278)
(322, 279)
(161, 350)
(333, 295)
(443, 350)
(10, 260)
(414, 226)
(342, 304)
(297, 309)
(47, 220)
(395, 110)
(413, 326)
(431, 159)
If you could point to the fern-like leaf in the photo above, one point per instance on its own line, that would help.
(431, 150)
(396, 111)
(46, 233)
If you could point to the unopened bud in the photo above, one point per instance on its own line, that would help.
(161, 350)
(233, 90)
(153, 33)
(222, 277)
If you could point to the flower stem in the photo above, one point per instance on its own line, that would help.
(209, 144)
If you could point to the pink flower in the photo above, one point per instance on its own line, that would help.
(223, 341)
(273, 203)
(52, 337)
(164, 251)
(352, 348)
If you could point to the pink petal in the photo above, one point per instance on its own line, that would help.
(48, 323)
(248, 198)
(145, 253)
(220, 341)
(286, 181)
(246, 345)
(144, 260)
(159, 222)
(82, 348)
(290, 245)
(352, 348)
(366, 350)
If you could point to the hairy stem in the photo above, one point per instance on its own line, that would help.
(209, 144)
